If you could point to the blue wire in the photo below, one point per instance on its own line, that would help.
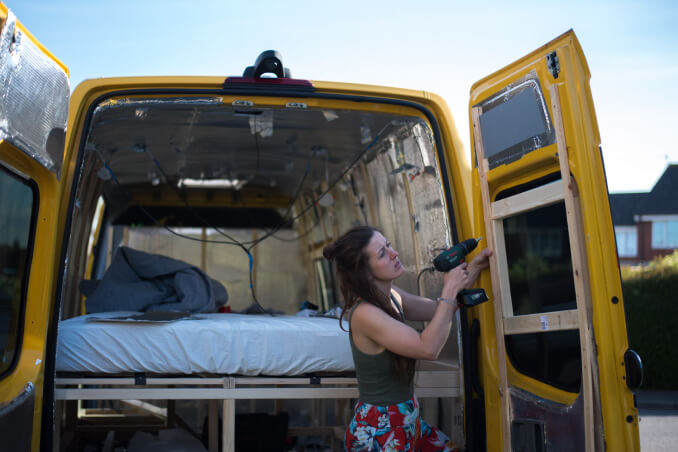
(251, 267)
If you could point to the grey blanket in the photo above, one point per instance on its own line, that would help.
(138, 281)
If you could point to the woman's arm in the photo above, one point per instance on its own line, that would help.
(416, 307)
(420, 308)
(371, 322)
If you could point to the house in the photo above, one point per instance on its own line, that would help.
(646, 224)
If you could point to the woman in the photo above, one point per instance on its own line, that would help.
(384, 348)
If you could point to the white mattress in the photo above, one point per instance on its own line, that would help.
(213, 343)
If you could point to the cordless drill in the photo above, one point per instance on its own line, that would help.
(454, 256)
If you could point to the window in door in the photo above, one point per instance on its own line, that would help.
(540, 278)
(515, 121)
(18, 206)
(539, 261)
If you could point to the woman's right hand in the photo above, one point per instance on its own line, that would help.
(454, 281)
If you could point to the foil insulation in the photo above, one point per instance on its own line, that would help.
(34, 98)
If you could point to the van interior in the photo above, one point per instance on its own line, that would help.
(247, 190)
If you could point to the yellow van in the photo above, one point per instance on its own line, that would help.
(245, 179)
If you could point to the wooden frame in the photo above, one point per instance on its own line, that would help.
(563, 190)
(579, 269)
(432, 379)
(495, 272)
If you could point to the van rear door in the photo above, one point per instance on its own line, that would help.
(33, 113)
(553, 341)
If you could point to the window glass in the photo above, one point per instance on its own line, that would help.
(552, 357)
(539, 261)
(658, 234)
(665, 234)
(672, 233)
(515, 121)
(16, 212)
(627, 241)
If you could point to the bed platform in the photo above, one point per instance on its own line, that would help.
(119, 342)
(214, 357)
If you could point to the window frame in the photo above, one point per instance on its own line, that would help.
(30, 245)
(541, 196)
(502, 105)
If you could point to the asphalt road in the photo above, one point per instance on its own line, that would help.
(658, 430)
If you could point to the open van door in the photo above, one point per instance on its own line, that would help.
(33, 112)
(556, 373)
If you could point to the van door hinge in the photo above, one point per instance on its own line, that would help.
(553, 64)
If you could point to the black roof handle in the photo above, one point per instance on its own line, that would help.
(269, 61)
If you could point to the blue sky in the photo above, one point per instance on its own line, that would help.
(439, 46)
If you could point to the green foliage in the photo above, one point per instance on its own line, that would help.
(651, 303)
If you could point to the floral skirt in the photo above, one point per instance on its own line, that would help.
(393, 428)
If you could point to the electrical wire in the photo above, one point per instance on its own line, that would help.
(300, 235)
(284, 221)
(233, 241)
(252, 243)
(171, 231)
(291, 220)
(340, 178)
(421, 273)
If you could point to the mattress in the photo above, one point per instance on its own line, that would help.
(204, 344)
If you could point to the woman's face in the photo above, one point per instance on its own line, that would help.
(382, 259)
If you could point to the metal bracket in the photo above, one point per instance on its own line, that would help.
(552, 64)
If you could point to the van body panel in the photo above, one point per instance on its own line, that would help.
(556, 69)
(23, 168)
(34, 105)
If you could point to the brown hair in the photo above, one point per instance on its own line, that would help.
(356, 283)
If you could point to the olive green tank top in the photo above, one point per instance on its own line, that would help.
(376, 383)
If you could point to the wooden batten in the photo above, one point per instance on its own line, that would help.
(529, 200)
(579, 269)
(228, 425)
(495, 269)
(371, 203)
(410, 209)
(550, 321)
(502, 268)
(305, 226)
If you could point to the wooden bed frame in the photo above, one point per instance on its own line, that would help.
(432, 379)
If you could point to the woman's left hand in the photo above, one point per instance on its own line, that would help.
(480, 262)
(482, 259)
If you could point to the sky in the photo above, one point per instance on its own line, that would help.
(438, 46)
